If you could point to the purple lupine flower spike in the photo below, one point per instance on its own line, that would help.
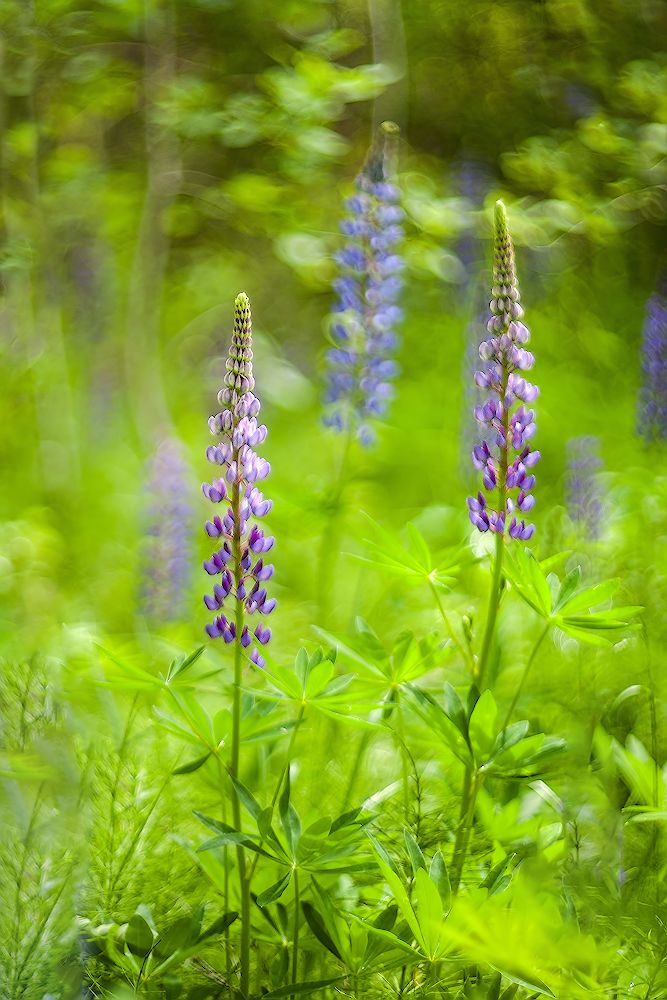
(239, 559)
(168, 550)
(582, 486)
(505, 457)
(652, 401)
(360, 366)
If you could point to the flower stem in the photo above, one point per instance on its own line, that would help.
(236, 741)
(448, 625)
(471, 785)
(517, 693)
(492, 614)
(295, 946)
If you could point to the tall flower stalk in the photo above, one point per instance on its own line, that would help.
(360, 366)
(168, 553)
(652, 401)
(240, 559)
(504, 457)
(582, 486)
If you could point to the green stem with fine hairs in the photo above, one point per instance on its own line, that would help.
(471, 779)
(295, 946)
(466, 656)
(526, 669)
(281, 779)
(236, 737)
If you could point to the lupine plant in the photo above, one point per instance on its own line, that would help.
(652, 401)
(419, 883)
(360, 365)
(168, 549)
(582, 487)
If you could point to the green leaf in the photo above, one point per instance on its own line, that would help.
(219, 926)
(429, 911)
(493, 992)
(455, 710)
(440, 878)
(316, 925)
(246, 797)
(381, 851)
(346, 819)
(279, 967)
(419, 547)
(508, 738)
(138, 936)
(402, 901)
(414, 851)
(567, 588)
(274, 891)
(192, 765)
(483, 725)
(289, 818)
(300, 988)
(434, 715)
(178, 936)
(525, 979)
(182, 663)
(301, 666)
(496, 874)
(590, 597)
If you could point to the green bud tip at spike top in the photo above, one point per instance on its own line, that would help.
(239, 363)
(504, 268)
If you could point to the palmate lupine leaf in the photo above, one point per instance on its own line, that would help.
(407, 660)
(314, 684)
(572, 609)
(329, 847)
(483, 743)
(416, 564)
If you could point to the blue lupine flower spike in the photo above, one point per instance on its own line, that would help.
(169, 535)
(504, 457)
(240, 560)
(583, 496)
(360, 366)
(652, 402)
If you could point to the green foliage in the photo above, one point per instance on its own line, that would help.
(405, 827)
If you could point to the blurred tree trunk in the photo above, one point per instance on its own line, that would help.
(151, 256)
(32, 255)
(389, 49)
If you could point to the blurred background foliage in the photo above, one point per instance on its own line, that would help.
(156, 158)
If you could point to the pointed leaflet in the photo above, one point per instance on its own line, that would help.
(192, 765)
(440, 878)
(300, 988)
(414, 851)
(182, 662)
(316, 925)
(590, 598)
(567, 588)
(246, 797)
(138, 936)
(429, 911)
(289, 818)
(419, 547)
(402, 901)
(483, 725)
(455, 710)
(274, 891)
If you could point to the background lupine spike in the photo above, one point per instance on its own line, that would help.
(583, 495)
(240, 560)
(167, 551)
(360, 367)
(504, 455)
(652, 399)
